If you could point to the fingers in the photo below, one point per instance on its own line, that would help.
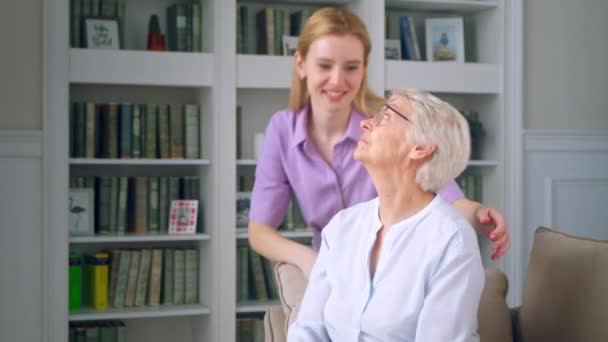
(501, 246)
(501, 251)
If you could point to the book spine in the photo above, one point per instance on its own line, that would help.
(143, 277)
(167, 287)
(153, 209)
(126, 130)
(122, 279)
(75, 281)
(179, 276)
(191, 276)
(154, 285)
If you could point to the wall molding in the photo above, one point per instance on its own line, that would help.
(566, 140)
(20, 144)
(551, 183)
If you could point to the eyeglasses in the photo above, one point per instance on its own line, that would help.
(377, 119)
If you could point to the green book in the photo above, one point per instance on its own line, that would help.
(75, 281)
(139, 206)
(176, 127)
(153, 208)
(114, 262)
(132, 278)
(89, 135)
(95, 7)
(103, 204)
(278, 31)
(75, 15)
(191, 277)
(136, 132)
(243, 274)
(151, 141)
(245, 29)
(191, 131)
(92, 333)
(113, 205)
(163, 204)
(79, 130)
(270, 281)
(121, 9)
(126, 128)
(109, 132)
(121, 332)
(164, 142)
(107, 332)
(123, 277)
(122, 215)
(196, 27)
(143, 277)
(179, 276)
(167, 286)
(86, 12)
(257, 270)
(108, 8)
(154, 284)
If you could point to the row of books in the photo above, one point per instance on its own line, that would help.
(255, 276)
(250, 330)
(81, 9)
(271, 24)
(137, 205)
(471, 185)
(133, 278)
(293, 219)
(112, 130)
(477, 132)
(184, 27)
(408, 39)
(99, 331)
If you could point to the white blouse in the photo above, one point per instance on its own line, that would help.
(427, 284)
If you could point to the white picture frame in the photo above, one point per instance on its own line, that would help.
(183, 216)
(392, 49)
(81, 211)
(445, 39)
(102, 33)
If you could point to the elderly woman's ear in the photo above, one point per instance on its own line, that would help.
(420, 152)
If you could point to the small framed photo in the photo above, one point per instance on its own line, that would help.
(290, 45)
(182, 216)
(81, 211)
(445, 39)
(392, 49)
(243, 204)
(101, 33)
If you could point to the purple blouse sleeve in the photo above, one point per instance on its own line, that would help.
(451, 192)
(271, 190)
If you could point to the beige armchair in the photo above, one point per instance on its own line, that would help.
(494, 317)
(565, 298)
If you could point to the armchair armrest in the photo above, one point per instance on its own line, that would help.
(274, 324)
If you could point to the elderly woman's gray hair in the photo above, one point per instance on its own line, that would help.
(438, 123)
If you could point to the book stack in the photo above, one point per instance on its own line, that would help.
(477, 132)
(138, 205)
(184, 27)
(271, 24)
(126, 131)
(140, 277)
(471, 185)
(250, 329)
(81, 9)
(255, 276)
(101, 331)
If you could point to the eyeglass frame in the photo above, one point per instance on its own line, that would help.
(377, 119)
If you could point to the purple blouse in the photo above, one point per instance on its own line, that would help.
(290, 162)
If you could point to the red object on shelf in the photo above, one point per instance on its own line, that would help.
(156, 42)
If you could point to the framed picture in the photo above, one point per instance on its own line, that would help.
(392, 49)
(445, 39)
(243, 203)
(101, 33)
(81, 211)
(182, 216)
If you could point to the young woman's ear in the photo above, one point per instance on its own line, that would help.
(299, 65)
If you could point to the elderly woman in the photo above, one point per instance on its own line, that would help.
(404, 266)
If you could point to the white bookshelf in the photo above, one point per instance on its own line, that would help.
(299, 233)
(218, 79)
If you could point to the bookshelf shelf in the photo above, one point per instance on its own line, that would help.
(255, 306)
(443, 5)
(462, 78)
(482, 163)
(241, 233)
(140, 312)
(265, 72)
(246, 162)
(136, 238)
(131, 67)
(168, 162)
(300, 2)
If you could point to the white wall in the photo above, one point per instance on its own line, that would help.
(21, 171)
(21, 64)
(565, 73)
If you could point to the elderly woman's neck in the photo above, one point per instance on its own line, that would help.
(400, 200)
